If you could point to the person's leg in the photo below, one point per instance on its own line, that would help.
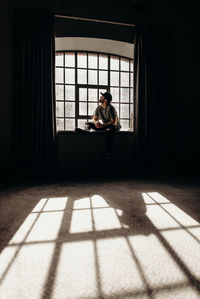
(90, 125)
(110, 132)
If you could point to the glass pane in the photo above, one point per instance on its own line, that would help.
(60, 92)
(131, 66)
(70, 93)
(124, 109)
(92, 107)
(115, 94)
(124, 79)
(131, 108)
(124, 95)
(59, 109)
(59, 75)
(59, 59)
(103, 78)
(70, 124)
(70, 60)
(124, 124)
(70, 109)
(59, 124)
(117, 108)
(114, 78)
(114, 63)
(70, 76)
(131, 95)
(131, 74)
(103, 61)
(81, 123)
(83, 108)
(92, 77)
(82, 60)
(124, 64)
(92, 94)
(82, 76)
(82, 94)
(102, 90)
(92, 61)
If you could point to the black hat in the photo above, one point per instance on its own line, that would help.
(107, 96)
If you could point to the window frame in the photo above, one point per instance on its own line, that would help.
(97, 86)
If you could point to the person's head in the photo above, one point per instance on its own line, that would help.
(106, 98)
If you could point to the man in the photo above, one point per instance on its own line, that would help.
(110, 123)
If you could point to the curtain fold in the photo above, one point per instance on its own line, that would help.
(34, 126)
(153, 94)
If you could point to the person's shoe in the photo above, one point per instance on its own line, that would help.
(81, 131)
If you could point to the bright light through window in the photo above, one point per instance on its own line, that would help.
(81, 76)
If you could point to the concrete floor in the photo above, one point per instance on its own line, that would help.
(120, 239)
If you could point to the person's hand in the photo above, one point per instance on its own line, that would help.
(98, 125)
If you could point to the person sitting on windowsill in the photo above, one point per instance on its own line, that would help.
(107, 113)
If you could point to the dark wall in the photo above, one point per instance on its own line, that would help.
(182, 17)
(5, 86)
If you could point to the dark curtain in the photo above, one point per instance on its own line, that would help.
(153, 96)
(34, 93)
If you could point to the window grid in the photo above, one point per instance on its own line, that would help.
(120, 103)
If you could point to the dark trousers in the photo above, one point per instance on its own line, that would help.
(110, 131)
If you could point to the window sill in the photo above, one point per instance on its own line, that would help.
(93, 133)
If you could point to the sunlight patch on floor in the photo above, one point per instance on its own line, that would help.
(118, 270)
(28, 271)
(158, 266)
(76, 271)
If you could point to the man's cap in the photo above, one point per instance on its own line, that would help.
(107, 96)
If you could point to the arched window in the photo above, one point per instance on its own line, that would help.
(81, 76)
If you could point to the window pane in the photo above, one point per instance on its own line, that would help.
(59, 124)
(70, 124)
(59, 109)
(131, 66)
(60, 92)
(131, 74)
(82, 76)
(131, 108)
(92, 61)
(70, 93)
(103, 78)
(124, 64)
(70, 76)
(101, 90)
(124, 79)
(83, 108)
(115, 94)
(124, 95)
(69, 59)
(103, 61)
(124, 109)
(114, 78)
(82, 60)
(59, 59)
(81, 123)
(114, 63)
(92, 107)
(124, 124)
(59, 75)
(117, 108)
(92, 77)
(82, 94)
(92, 94)
(70, 109)
(131, 95)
